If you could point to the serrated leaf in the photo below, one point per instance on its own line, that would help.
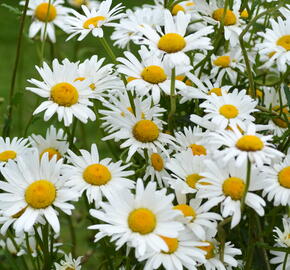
(287, 93)
(12, 9)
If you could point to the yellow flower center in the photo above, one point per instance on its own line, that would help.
(172, 244)
(182, 77)
(153, 74)
(171, 43)
(157, 162)
(51, 152)
(250, 143)
(244, 14)
(208, 249)
(93, 21)
(130, 79)
(229, 111)
(64, 94)
(230, 17)
(70, 268)
(176, 9)
(42, 14)
(234, 187)
(40, 194)
(284, 42)
(284, 177)
(198, 150)
(97, 174)
(6, 155)
(278, 120)
(145, 131)
(217, 91)
(259, 93)
(142, 220)
(222, 61)
(19, 213)
(192, 179)
(186, 210)
(271, 54)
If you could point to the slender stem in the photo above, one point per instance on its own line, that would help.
(222, 236)
(45, 250)
(72, 234)
(44, 32)
(285, 261)
(7, 123)
(251, 244)
(248, 179)
(172, 102)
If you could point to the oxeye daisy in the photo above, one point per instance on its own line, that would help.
(186, 169)
(68, 263)
(197, 218)
(151, 76)
(174, 43)
(140, 133)
(93, 20)
(95, 176)
(248, 144)
(12, 149)
(233, 108)
(54, 143)
(276, 182)
(213, 14)
(47, 16)
(156, 167)
(279, 260)
(65, 95)
(227, 186)
(282, 237)
(138, 220)
(37, 188)
(183, 253)
(277, 43)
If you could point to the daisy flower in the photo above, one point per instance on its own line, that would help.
(12, 149)
(94, 176)
(280, 259)
(226, 185)
(36, 188)
(183, 252)
(230, 109)
(69, 263)
(150, 76)
(140, 133)
(186, 169)
(93, 20)
(174, 43)
(89, 3)
(276, 182)
(277, 43)
(248, 144)
(47, 16)
(138, 220)
(54, 143)
(66, 95)
(213, 14)
(156, 167)
(282, 237)
(197, 218)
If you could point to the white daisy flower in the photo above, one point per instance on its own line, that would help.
(89, 3)
(197, 218)
(282, 237)
(47, 16)
(174, 43)
(248, 144)
(279, 259)
(151, 76)
(233, 108)
(138, 220)
(54, 143)
(102, 78)
(277, 43)
(93, 20)
(213, 14)
(12, 149)
(156, 167)
(94, 176)
(37, 187)
(69, 263)
(140, 133)
(183, 252)
(66, 95)
(227, 186)
(276, 182)
(186, 169)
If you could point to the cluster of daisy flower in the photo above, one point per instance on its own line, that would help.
(195, 113)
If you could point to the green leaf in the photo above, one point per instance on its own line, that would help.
(287, 93)
(12, 9)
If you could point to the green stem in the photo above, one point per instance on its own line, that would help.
(45, 250)
(44, 34)
(72, 234)
(7, 123)
(222, 236)
(285, 261)
(248, 179)
(172, 102)
(251, 245)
